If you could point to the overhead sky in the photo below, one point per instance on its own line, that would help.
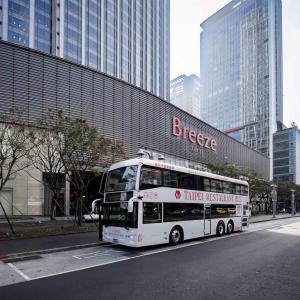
(186, 16)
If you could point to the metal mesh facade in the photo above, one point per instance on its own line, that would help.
(36, 82)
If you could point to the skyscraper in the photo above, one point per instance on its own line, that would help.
(185, 93)
(287, 155)
(241, 67)
(129, 39)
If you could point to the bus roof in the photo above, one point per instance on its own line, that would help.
(167, 166)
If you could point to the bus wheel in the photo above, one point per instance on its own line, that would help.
(220, 228)
(176, 236)
(230, 227)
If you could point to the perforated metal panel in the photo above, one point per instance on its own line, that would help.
(36, 82)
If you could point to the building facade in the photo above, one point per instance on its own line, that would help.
(36, 82)
(286, 149)
(185, 93)
(241, 67)
(128, 39)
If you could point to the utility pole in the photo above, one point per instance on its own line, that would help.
(292, 202)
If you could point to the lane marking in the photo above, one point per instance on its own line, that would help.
(27, 278)
(97, 253)
(128, 258)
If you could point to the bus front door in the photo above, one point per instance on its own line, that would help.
(207, 219)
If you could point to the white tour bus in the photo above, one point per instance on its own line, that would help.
(149, 202)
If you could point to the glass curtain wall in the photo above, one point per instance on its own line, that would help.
(42, 25)
(18, 22)
(73, 31)
(93, 36)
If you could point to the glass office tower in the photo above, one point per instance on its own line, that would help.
(185, 93)
(241, 71)
(287, 155)
(128, 39)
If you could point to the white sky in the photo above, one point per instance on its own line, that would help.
(186, 16)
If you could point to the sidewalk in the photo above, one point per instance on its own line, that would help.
(263, 218)
(42, 226)
(76, 240)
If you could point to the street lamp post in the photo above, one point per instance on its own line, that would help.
(274, 199)
(292, 202)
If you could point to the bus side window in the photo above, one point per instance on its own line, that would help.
(152, 213)
(200, 183)
(170, 178)
(227, 187)
(150, 178)
(244, 190)
(237, 189)
(215, 186)
(206, 182)
(233, 188)
(187, 181)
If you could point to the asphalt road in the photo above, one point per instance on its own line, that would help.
(260, 264)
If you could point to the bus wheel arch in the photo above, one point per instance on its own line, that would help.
(220, 230)
(176, 235)
(230, 227)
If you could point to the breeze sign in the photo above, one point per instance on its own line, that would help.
(192, 135)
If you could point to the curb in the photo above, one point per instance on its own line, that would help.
(289, 217)
(5, 258)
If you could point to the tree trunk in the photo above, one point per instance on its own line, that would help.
(79, 216)
(52, 209)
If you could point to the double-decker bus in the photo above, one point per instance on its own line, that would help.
(149, 202)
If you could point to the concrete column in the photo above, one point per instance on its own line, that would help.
(67, 195)
(274, 199)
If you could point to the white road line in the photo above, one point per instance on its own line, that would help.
(211, 239)
(97, 253)
(124, 259)
(18, 271)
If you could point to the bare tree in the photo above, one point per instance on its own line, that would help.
(83, 148)
(73, 147)
(46, 159)
(15, 149)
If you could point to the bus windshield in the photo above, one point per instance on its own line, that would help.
(116, 214)
(122, 179)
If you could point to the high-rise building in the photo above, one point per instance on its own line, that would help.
(286, 149)
(241, 67)
(128, 39)
(185, 93)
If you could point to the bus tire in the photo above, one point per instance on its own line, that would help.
(220, 230)
(176, 236)
(230, 227)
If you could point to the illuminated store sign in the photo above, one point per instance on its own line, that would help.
(192, 135)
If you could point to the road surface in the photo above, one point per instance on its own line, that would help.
(262, 263)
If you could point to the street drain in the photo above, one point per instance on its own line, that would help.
(21, 258)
